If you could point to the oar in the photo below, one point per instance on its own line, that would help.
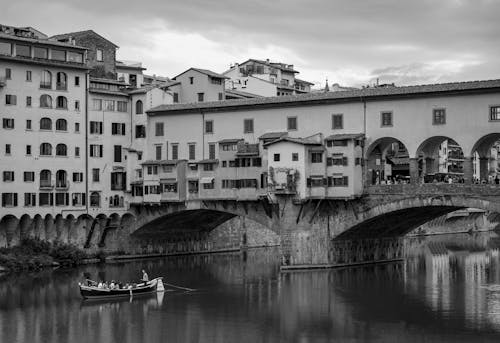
(179, 287)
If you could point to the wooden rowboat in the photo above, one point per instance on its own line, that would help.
(94, 292)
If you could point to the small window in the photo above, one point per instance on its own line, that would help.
(77, 81)
(77, 127)
(201, 97)
(45, 124)
(295, 156)
(10, 99)
(95, 175)
(28, 124)
(98, 55)
(28, 149)
(109, 105)
(8, 73)
(221, 96)
(97, 104)
(276, 157)
(248, 126)
(77, 151)
(140, 131)
(386, 118)
(61, 125)
(8, 149)
(176, 97)
(211, 151)
(28, 75)
(191, 80)
(495, 113)
(192, 151)
(209, 126)
(8, 176)
(158, 152)
(175, 151)
(439, 116)
(28, 101)
(316, 157)
(158, 129)
(8, 123)
(29, 176)
(138, 107)
(77, 105)
(337, 121)
(117, 153)
(291, 123)
(61, 102)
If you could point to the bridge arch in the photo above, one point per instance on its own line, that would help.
(485, 159)
(387, 158)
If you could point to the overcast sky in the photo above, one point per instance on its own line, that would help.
(350, 42)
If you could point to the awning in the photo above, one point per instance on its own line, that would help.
(206, 179)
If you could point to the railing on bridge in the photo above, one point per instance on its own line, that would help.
(435, 189)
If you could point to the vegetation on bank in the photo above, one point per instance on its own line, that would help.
(33, 253)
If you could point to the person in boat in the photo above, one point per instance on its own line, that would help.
(145, 276)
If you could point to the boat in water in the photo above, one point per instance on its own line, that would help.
(92, 291)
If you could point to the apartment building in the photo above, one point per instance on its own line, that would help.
(42, 109)
(265, 78)
(198, 85)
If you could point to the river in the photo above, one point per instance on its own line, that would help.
(446, 290)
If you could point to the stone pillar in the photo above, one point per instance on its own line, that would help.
(468, 170)
(430, 165)
(483, 168)
(367, 179)
(414, 170)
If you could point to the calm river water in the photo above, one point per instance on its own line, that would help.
(447, 290)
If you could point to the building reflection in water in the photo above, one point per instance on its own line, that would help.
(447, 288)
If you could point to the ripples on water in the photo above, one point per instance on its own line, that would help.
(447, 290)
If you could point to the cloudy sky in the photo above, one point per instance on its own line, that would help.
(351, 42)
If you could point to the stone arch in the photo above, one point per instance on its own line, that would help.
(81, 229)
(60, 227)
(93, 232)
(70, 227)
(49, 226)
(109, 230)
(387, 158)
(25, 225)
(38, 227)
(8, 228)
(440, 157)
(485, 158)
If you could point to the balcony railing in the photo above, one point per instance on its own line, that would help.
(61, 86)
(248, 149)
(46, 184)
(46, 85)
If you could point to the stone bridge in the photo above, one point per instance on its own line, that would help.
(311, 233)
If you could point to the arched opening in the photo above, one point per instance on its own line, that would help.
(138, 107)
(45, 101)
(485, 159)
(95, 199)
(61, 179)
(62, 81)
(61, 125)
(46, 80)
(441, 159)
(387, 162)
(45, 178)
(61, 102)
(45, 124)
(8, 226)
(61, 150)
(45, 149)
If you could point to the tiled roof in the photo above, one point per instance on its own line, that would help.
(303, 81)
(105, 91)
(242, 94)
(204, 71)
(160, 162)
(41, 41)
(209, 160)
(230, 140)
(302, 141)
(80, 33)
(357, 95)
(277, 65)
(110, 81)
(344, 136)
(273, 135)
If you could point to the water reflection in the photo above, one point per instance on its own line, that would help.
(447, 290)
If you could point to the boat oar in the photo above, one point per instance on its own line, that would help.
(179, 287)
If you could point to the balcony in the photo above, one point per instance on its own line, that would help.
(46, 85)
(246, 149)
(46, 184)
(62, 185)
(61, 86)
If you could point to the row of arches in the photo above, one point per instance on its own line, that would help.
(61, 80)
(61, 178)
(46, 101)
(46, 149)
(437, 159)
(46, 124)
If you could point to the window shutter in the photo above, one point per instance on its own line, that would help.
(67, 199)
(84, 199)
(123, 129)
(344, 160)
(100, 151)
(100, 127)
(15, 199)
(33, 199)
(51, 199)
(3, 199)
(308, 182)
(346, 181)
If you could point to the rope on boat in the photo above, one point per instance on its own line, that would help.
(179, 287)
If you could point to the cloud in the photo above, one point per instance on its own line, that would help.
(349, 42)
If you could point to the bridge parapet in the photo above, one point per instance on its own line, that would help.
(483, 190)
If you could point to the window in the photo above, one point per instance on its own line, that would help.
(295, 156)
(61, 125)
(118, 181)
(45, 149)
(176, 97)
(342, 181)
(117, 153)
(9, 199)
(208, 167)
(75, 57)
(95, 199)
(7, 149)
(77, 105)
(10, 99)
(61, 102)
(96, 127)
(109, 105)
(45, 101)
(40, 53)
(339, 160)
(276, 157)
(77, 151)
(191, 80)
(192, 151)
(118, 129)
(95, 174)
(77, 127)
(97, 104)
(28, 124)
(152, 170)
(386, 118)
(62, 199)
(95, 150)
(316, 157)
(438, 116)
(138, 107)
(78, 199)
(211, 151)
(158, 152)
(8, 176)
(77, 81)
(5, 48)
(8, 123)
(209, 126)
(201, 97)
(28, 101)
(221, 96)
(98, 55)
(46, 199)
(248, 126)
(29, 199)
(58, 55)
(61, 150)
(158, 129)
(495, 113)
(140, 131)
(8, 73)
(61, 81)
(24, 50)
(210, 185)
(121, 106)
(29, 176)
(28, 75)
(28, 149)
(175, 151)
(291, 123)
(337, 121)
(46, 80)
